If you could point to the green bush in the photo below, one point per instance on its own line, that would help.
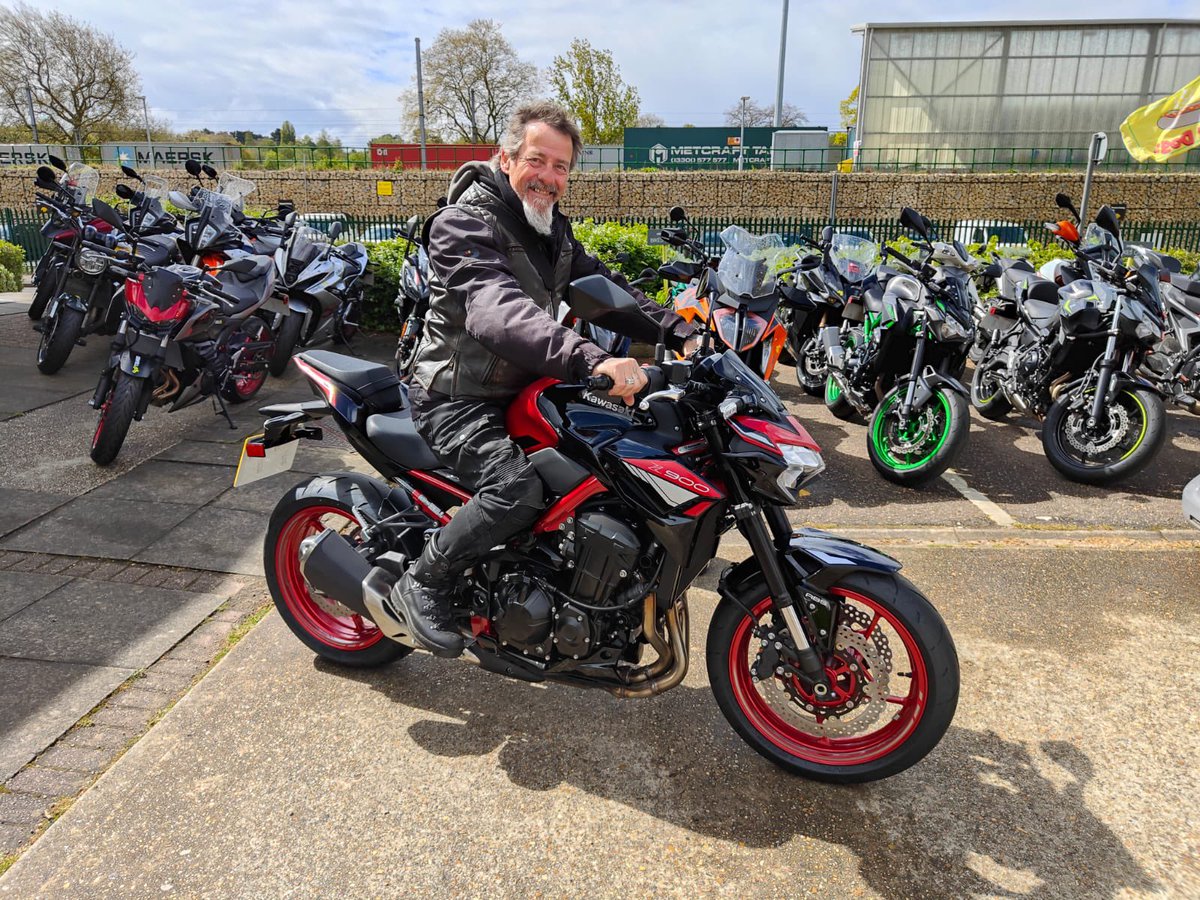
(605, 240)
(12, 262)
(385, 260)
(8, 281)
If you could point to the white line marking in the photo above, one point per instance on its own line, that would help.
(982, 503)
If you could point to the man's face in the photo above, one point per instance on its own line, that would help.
(539, 171)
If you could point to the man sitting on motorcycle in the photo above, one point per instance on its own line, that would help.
(501, 256)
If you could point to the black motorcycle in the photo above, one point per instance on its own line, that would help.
(412, 298)
(187, 334)
(821, 656)
(1074, 362)
(901, 367)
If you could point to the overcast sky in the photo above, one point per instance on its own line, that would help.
(341, 65)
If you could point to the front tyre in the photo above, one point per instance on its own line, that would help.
(115, 417)
(47, 280)
(285, 342)
(325, 626)
(913, 450)
(1133, 429)
(811, 367)
(59, 335)
(986, 394)
(894, 671)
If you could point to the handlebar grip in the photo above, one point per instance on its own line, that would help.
(599, 382)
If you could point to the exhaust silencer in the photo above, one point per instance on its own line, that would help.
(330, 565)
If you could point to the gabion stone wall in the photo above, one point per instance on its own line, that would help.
(727, 195)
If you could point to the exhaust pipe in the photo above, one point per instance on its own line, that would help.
(330, 565)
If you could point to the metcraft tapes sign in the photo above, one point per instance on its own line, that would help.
(716, 148)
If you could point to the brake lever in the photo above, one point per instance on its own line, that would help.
(672, 393)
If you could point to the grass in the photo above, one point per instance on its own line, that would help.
(242, 629)
(7, 861)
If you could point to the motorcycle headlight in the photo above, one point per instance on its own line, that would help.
(803, 465)
(752, 329)
(91, 262)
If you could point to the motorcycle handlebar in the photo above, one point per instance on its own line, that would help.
(656, 380)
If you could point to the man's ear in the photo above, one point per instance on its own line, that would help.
(505, 162)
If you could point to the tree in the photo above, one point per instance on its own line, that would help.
(473, 81)
(763, 116)
(588, 83)
(81, 77)
(285, 134)
(650, 120)
(848, 109)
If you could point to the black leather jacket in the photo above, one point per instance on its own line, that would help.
(494, 287)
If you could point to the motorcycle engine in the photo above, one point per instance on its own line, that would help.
(524, 614)
(603, 551)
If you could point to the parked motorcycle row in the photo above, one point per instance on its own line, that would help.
(200, 307)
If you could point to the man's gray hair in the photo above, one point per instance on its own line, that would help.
(549, 113)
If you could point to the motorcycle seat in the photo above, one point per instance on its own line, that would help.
(1043, 291)
(395, 434)
(1188, 285)
(1045, 315)
(250, 287)
(1014, 281)
(359, 375)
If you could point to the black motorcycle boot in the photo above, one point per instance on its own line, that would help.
(423, 595)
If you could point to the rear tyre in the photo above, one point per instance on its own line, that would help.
(248, 376)
(285, 342)
(986, 396)
(912, 452)
(835, 400)
(115, 417)
(894, 671)
(1134, 429)
(329, 629)
(58, 339)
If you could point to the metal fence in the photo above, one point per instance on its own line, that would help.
(613, 158)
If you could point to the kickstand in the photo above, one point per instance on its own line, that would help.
(219, 401)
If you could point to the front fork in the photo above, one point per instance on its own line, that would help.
(1107, 366)
(917, 367)
(750, 522)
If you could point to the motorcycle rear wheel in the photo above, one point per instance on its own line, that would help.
(908, 678)
(1137, 411)
(307, 509)
(811, 368)
(986, 396)
(835, 400)
(244, 381)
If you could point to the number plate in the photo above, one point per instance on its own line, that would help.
(260, 462)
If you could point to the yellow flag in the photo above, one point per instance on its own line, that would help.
(1166, 127)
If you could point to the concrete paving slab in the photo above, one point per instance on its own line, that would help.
(113, 529)
(106, 624)
(443, 777)
(203, 452)
(42, 700)
(218, 540)
(260, 496)
(19, 507)
(19, 589)
(160, 481)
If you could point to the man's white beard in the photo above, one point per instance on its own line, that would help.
(540, 219)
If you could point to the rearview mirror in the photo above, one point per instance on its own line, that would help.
(1062, 201)
(193, 167)
(290, 219)
(45, 173)
(335, 231)
(913, 220)
(1107, 219)
(56, 162)
(124, 191)
(677, 214)
(596, 299)
(106, 213)
(286, 206)
(208, 170)
(129, 172)
(826, 234)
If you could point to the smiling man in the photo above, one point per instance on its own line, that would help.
(501, 257)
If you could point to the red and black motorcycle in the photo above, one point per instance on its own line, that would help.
(820, 654)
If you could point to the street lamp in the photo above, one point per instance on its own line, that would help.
(146, 121)
(742, 138)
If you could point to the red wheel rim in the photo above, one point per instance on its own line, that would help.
(902, 712)
(349, 633)
(246, 384)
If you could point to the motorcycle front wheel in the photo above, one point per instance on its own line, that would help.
(912, 451)
(894, 673)
(986, 395)
(835, 400)
(285, 342)
(811, 368)
(59, 334)
(1132, 430)
(116, 415)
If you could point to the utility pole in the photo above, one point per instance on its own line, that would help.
(782, 54)
(149, 142)
(742, 138)
(1097, 150)
(420, 104)
(32, 114)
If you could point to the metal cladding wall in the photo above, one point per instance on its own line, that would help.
(437, 156)
(1016, 84)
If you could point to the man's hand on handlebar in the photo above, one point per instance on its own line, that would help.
(627, 377)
